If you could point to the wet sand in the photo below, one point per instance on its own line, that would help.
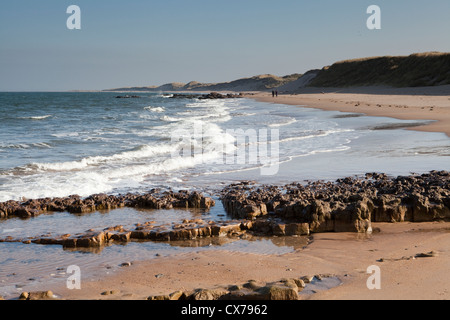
(406, 104)
(345, 255)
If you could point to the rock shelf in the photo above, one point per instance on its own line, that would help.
(75, 204)
(346, 205)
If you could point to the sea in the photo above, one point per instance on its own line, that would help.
(56, 144)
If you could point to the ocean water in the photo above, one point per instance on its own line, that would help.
(60, 144)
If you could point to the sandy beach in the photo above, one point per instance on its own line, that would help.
(164, 151)
(425, 103)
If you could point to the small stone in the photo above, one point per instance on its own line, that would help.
(177, 295)
(125, 264)
(159, 298)
(300, 283)
(278, 292)
(427, 255)
(38, 295)
(24, 296)
(307, 279)
(160, 275)
(109, 292)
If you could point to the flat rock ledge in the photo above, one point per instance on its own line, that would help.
(155, 199)
(187, 230)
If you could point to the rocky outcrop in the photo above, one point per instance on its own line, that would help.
(347, 205)
(209, 96)
(75, 204)
(127, 97)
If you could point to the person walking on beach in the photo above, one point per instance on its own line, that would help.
(273, 93)
(276, 93)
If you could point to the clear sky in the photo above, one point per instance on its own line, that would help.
(139, 43)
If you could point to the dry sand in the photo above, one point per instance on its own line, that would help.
(345, 255)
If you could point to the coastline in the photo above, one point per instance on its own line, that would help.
(406, 104)
(345, 255)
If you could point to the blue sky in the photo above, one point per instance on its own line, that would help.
(139, 43)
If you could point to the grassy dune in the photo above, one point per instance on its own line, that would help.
(416, 70)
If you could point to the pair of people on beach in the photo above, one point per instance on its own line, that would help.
(274, 93)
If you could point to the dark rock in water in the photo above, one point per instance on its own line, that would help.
(87, 240)
(209, 96)
(216, 95)
(75, 204)
(127, 97)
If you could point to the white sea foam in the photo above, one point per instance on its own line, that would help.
(284, 123)
(65, 134)
(37, 117)
(155, 109)
(141, 152)
(41, 145)
(170, 119)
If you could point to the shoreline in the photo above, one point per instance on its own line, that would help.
(345, 255)
(396, 250)
(413, 105)
(402, 251)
